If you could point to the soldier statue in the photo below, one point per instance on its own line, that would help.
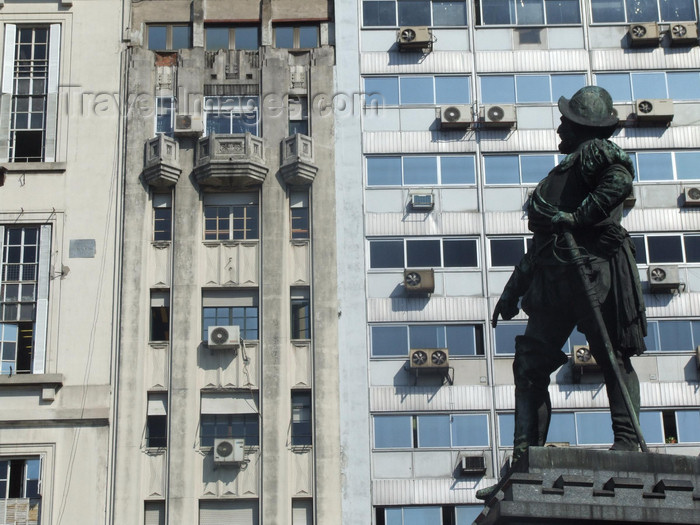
(583, 195)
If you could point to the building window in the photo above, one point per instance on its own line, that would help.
(160, 315)
(671, 248)
(235, 220)
(672, 335)
(301, 313)
(229, 308)
(298, 115)
(397, 340)
(234, 114)
(162, 217)
(613, 11)
(299, 214)
(505, 333)
(234, 426)
(530, 12)
(416, 90)
(413, 170)
(32, 57)
(413, 13)
(423, 253)
(231, 37)
(507, 251)
(165, 115)
(301, 418)
(228, 511)
(296, 37)
(154, 513)
(527, 89)
(625, 87)
(166, 37)
(24, 276)
(518, 169)
(157, 420)
(302, 512)
(20, 478)
(431, 431)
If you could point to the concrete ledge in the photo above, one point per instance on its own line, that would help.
(31, 380)
(28, 167)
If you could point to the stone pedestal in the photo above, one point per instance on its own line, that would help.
(578, 486)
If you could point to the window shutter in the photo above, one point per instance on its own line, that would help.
(8, 63)
(154, 513)
(229, 403)
(302, 512)
(52, 93)
(42, 300)
(228, 512)
(158, 404)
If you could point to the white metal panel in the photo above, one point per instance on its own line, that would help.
(439, 491)
(229, 403)
(658, 58)
(504, 223)
(448, 223)
(433, 464)
(531, 140)
(42, 301)
(405, 63)
(458, 200)
(302, 512)
(415, 309)
(157, 404)
(537, 118)
(378, 40)
(674, 137)
(503, 200)
(384, 201)
(382, 119)
(666, 305)
(421, 398)
(418, 142)
(416, 119)
(531, 61)
(392, 465)
(451, 40)
(391, 372)
(154, 513)
(8, 60)
(230, 512)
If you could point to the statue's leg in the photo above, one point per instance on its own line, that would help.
(623, 428)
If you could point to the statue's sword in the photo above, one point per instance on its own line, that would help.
(579, 262)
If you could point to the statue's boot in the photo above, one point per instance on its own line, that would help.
(622, 425)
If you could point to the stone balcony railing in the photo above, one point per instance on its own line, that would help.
(162, 162)
(298, 166)
(230, 161)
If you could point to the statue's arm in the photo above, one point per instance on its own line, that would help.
(517, 285)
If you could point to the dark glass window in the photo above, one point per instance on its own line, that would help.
(162, 224)
(423, 253)
(301, 418)
(506, 252)
(236, 426)
(665, 248)
(379, 13)
(692, 248)
(460, 253)
(386, 254)
(414, 12)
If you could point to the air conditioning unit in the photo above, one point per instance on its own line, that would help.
(429, 358)
(229, 451)
(498, 116)
(414, 37)
(419, 282)
(472, 465)
(656, 110)
(644, 35)
(422, 201)
(456, 117)
(691, 196)
(581, 356)
(630, 200)
(223, 337)
(663, 278)
(683, 34)
(188, 125)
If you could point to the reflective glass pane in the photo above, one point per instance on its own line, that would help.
(393, 432)
(562, 428)
(498, 89)
(654, 166)
(380, 13)
(216, 37)
(416, 90)
(566, 85)
(384, 171)
(652, 338)
(449, 13)
(501, 169)
(461, 339)
(422, 515)
(452, 90)
(505, 334)
(695, 328)
(506, 429)
(470, 430)
(675, 335)
(393, 516)
(182, 37)
(533, 88)
(157, 37)
(246, 38)
(496, 12)
(506, 252)
(533, 168)
(308, 36)
(466, 514)
(687, 163)
(652, 427)
(284, 37)
(665, 249)
(529, 12)
(640, 249)
(642, 11)
(382, 91)
(684, 86)
(562, 12)
(389, 340)
(420, 170)
(423, 253)
(617, 84)
(594, 428)
(427, 336)
(692, 248)
(460, 253)
(649, 85)
(688, 423)
(458, 170)
(677, 10)
(434, 431)
(414, 12)
(386, 254)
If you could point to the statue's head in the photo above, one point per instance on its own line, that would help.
(588, 114)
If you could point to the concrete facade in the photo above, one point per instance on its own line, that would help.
(59, 209)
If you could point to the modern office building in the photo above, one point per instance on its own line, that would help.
(227, 396)
(59, 205)
(453, 124)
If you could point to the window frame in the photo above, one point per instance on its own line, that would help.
(166, 108)
(474, 241)
(296, 35)
(374, 98)
(633, 75)
(234, 108)
(513, 13)
(301, 418)
(398, 24)
(168, 35)
(478, 339)
(413, 420)
(248, 421)
(157, 420)
(231, 36)
(526, 241)
(228, 216)
(627, 21)
(6, 477)
(440, 170)
(553, 98)
(636, 236)
(300, 313)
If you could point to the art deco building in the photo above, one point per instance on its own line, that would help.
(454, 126)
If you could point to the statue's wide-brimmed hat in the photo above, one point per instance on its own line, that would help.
(590, 106)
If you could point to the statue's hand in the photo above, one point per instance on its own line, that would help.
(507, 308)
(564, 219)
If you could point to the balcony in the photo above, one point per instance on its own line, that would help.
(230, 161)
(298, 167)
(162, 163)
(20, 510)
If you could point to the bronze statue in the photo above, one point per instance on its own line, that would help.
(583, 195)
